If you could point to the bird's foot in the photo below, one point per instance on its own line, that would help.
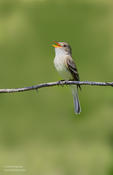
(61, 82)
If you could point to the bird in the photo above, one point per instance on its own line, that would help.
(66, 67)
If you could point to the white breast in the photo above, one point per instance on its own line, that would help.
(59, 63)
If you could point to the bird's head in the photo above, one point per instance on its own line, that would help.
(62, 48)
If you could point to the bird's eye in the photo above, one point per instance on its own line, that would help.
(64, 45)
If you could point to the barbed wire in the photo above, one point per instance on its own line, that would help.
(57, 83)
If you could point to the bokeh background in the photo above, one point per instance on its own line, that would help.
(39, 132)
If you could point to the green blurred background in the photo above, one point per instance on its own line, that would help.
(39, 131)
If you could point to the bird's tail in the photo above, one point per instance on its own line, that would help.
(77, 107)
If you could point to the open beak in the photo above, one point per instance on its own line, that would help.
(56, 45)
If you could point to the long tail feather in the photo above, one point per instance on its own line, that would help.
(77, 107)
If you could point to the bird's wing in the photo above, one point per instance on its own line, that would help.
(72, 68)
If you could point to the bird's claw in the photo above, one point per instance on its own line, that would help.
(61, 82)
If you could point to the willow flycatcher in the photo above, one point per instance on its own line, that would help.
(65, 65)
